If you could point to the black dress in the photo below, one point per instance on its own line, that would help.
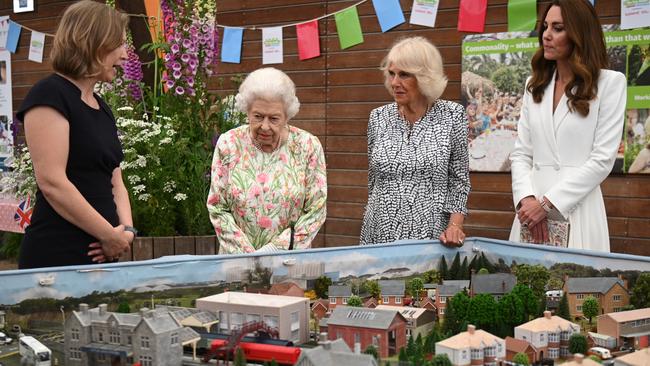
(94, 152)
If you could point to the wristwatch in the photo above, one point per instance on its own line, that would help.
(131, 229)
(545, 205)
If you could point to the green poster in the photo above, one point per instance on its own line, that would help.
(348, 27)
(522, 15)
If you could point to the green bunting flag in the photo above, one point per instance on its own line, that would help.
(522, 15)
(348, 27)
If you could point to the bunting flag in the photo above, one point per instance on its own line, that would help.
(471, 15)
(308, 40)
(36, 46)
(348, 27)
(522, 15)
(424, 12)
(231, 47)
(23, 215)
(12, 36)
(389, 13)
(272, 52)
(4, 31)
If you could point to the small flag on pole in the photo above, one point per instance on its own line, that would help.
(308, 40)
(231, 48)
(348, 27)
(23, 215)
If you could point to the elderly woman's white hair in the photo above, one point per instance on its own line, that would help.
(419, 57)
(269, 84)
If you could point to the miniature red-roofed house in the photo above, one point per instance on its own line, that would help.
(638, 358)
(319, 308)
(473, 347)
(514, 346)
(428, 303)
(548, 334)
(370, 303)
(286, 289)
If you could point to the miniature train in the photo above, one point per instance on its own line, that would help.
(258, 352)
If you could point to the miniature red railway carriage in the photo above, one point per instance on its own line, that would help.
(260, 352)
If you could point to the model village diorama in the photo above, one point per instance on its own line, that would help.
(472, 311)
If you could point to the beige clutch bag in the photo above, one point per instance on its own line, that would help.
(558, 233)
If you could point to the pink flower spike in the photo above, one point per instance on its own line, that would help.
(179, 90)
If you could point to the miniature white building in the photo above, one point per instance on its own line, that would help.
(638, 358)
(419, 321)
(289, 314)
(474, 347)
(549, 335)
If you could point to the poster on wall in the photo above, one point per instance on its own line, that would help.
(494, 70)
(6, 113)
(21, 6)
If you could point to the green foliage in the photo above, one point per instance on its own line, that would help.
(10, 245)
(415, 286)
(483, 271)
(578, 343)
(533, 276)
(372, 350)
(482, 312)
(403, 356)
(436, 335)
(355, 301)
(595, 358)
(454, 271)
(441, 360)
(431, 276)
(272, 363)
(525, 294)
(442, 268)
(510, 313)
(124, 308)
(590, 307)
(631, 152)
(321, 286)
(521, 359)
(372, 288)
(510, 78)
(464, 270)
(563, 308)
(640, 297)
(240, 358)
(456, 313)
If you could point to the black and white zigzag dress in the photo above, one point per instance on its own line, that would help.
(418, 175)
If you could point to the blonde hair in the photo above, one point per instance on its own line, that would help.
(88, 31)
(419, 57)
(269, 84)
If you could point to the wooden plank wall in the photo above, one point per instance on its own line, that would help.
(338, 90)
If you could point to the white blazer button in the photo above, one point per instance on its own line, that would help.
(557, 166)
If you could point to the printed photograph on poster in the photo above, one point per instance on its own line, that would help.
(637, 141)
(21, 6)
(495, 68)
(6, 110)
(3, 72)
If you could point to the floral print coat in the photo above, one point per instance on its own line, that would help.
(255, 196)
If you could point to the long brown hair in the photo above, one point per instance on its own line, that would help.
(587, 57)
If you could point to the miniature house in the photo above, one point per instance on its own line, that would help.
(495, 284)
(320, 308)
(444, 293)
(549, 335)
(638, 358)
(334, 353)
(419, 321)
(383, 329)
(392, 292)
(473, 347)
(288, 314)
(514, 346)
(99, 337)
(286, 289)
(338, 295)
(631, 328)
(611, 292)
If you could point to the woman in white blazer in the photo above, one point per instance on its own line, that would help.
(570, 128)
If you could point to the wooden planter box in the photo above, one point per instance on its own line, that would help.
(158, 246)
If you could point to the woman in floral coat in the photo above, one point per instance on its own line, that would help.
(269, 187)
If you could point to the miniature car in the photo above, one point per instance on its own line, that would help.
(602, 353)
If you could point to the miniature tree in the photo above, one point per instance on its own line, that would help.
(431, 276)
(321, 286)
(527, 297)
(442, 268)
(403, 357)
(441, 360)
(482, 311)
(578, 344)
(521, 359)
(415, 286)
(464, 270)
(640, 297)
(272, 363)
(372, 288)
(483, 271)
(454, 270)
(510, 313)
(534, 277)
(372, 350)
(456, 313)
(124, 308)
(595, 358)
(590, 307)
(563, 308)
(355, 301)
(240, 358)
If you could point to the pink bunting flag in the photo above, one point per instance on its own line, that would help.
(308, 40)
(471, 15)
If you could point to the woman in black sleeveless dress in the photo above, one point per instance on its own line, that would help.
(82, 206)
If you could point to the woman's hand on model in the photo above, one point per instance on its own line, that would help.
(453, 236)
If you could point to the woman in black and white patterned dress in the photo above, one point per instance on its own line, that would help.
(418, 177)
